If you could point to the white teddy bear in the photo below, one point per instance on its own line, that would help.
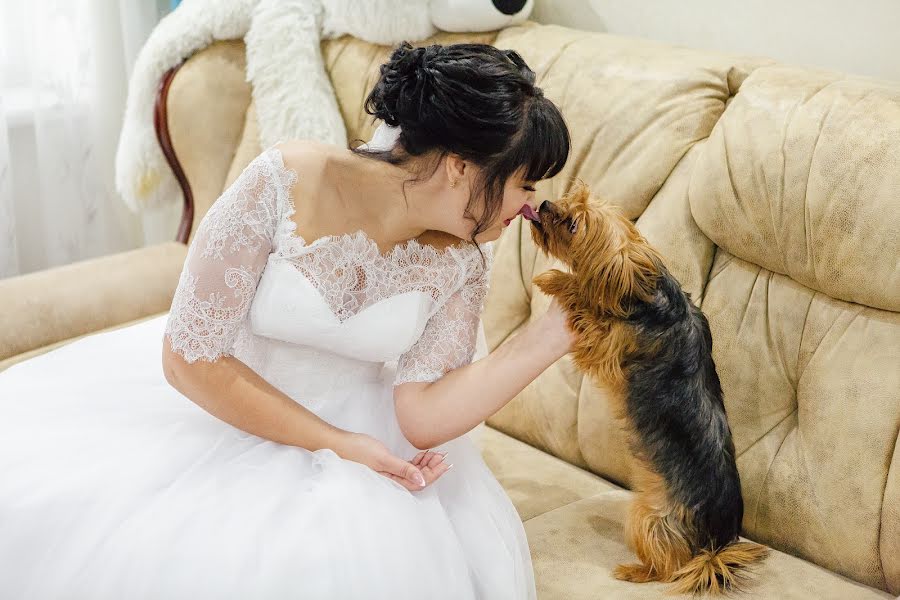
(293, 94)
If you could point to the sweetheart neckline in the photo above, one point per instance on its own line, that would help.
(324, 303)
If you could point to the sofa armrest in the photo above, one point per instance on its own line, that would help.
(49, 306)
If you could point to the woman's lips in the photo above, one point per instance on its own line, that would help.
(527, 212)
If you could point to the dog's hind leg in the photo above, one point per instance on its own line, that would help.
(655, 531)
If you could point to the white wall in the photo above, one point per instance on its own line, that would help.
(860, 37)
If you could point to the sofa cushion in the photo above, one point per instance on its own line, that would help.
(801, 176)
(812, 389)
(53, 305)
(576, 547)
(634, 107)
(536, 481)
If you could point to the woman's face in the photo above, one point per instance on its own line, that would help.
(517, 192)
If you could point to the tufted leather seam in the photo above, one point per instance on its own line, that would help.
(698, 299)
(762, 486)
(714, 272)
(337, 57)
(708, 276)
(750, 297)
(802, 336)
(630, 140)
(548, 66)
(884, 500)
(731, 182)
(772, 336)
(545, 71)
(776, 229)
(859, 309)
(731, 93)
(767, 432)
(579, 161)
(805, 456)
(806, 218)
(787, 123)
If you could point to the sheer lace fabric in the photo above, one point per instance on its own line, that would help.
(251, 224)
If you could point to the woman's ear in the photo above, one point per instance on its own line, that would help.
(456, 169)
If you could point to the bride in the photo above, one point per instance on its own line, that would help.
(315, 387)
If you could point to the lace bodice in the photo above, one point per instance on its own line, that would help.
(249, 274)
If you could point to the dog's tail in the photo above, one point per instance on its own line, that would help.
(720, 570)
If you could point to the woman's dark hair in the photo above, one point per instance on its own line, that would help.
(477, 102)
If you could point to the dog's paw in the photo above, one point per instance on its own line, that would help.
(554, 282)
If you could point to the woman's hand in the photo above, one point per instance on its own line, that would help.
(557, 329)
(414, 475)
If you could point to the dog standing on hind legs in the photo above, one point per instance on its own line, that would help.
(642, 337)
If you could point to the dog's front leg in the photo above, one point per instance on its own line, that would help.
(560, 285)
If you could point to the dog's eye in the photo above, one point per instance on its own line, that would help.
(573, 226)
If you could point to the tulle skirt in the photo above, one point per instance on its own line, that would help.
(115, 486)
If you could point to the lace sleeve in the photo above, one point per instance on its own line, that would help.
(450, 336)
(225, 260)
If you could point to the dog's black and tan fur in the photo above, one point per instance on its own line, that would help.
(641, 337)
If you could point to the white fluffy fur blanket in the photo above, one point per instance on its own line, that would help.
(293, 95)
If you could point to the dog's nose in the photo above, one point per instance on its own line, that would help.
(545, 206)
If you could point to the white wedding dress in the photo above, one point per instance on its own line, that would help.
(115, 486)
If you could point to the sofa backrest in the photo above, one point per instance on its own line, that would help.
(773, 194)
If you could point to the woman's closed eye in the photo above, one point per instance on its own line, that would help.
(529, 188)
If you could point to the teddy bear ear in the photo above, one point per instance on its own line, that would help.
(478, 15)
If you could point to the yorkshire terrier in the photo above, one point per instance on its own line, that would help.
(640, 336)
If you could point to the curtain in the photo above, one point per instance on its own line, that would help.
(64, 67)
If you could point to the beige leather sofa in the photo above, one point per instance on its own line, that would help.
(774, 194)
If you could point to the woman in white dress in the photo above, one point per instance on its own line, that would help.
(316, 380)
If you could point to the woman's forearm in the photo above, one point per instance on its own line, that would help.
(231, 391)
(434, 413)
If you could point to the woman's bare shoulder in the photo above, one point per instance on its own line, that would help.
(310, 160)
(307, 158)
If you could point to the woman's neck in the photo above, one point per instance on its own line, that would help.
(373, 192)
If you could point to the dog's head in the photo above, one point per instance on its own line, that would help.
(611, 261)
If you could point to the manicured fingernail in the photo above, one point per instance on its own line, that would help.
(419, 479)
(450, 466)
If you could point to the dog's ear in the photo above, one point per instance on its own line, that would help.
(579, 194)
